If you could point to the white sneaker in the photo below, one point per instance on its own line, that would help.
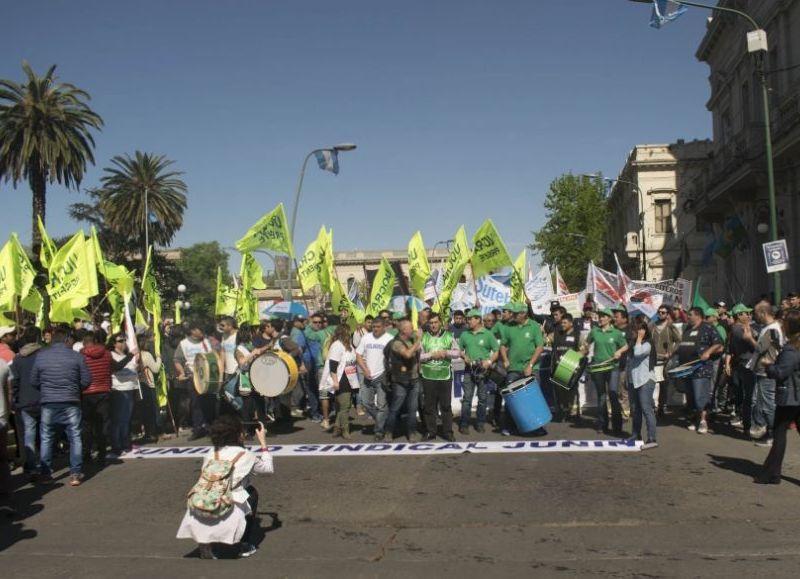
(703, 428)
(325, 424)
(246, 549)
(757, 432)
(692, 427)
(735, 421)
(649, 444)
(764, 443)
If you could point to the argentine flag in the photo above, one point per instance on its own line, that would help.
(328, 160)
(665, 11)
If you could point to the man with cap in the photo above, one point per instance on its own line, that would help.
(740, 349)
(7, 336)
(521, 351)
(699, 343)
(609, 346)
(479, 350)
(505, 322)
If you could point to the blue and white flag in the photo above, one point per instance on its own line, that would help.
(328, 160)
(665, 11)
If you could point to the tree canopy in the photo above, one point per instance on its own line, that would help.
(574, 233)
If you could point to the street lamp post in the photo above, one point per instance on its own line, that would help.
(336, 148)
(756, 42)
(641, 212)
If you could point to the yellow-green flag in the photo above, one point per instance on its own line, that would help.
(457, 260)
(419, 270)
(151, 299)
(226, 298)
(327, 274)
(269, 232)
(8, 278)
(161, 389)
(247, 307)
(414, 315)
(91, 266)
(382, 288)
(310, 270)
(98, 253)
(252, 274)
(70, 284)
(340, 300)
(489, 253)
(177, 314)
(518, 278)
(48, 250)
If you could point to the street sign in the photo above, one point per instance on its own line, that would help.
(776, 255)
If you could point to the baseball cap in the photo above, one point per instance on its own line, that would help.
(711, 313)
(606, 312)
(475, 313)
(720, 304)
(740, 309)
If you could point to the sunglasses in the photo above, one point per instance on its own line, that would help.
(120, 341)
(662, 313)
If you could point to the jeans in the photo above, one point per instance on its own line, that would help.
(784, 416)
(204, 408)
(764, 403)
(67, 416)
(30, 424)
(311, 391)
(121, 411)
(402, 392)
(606, 385)
(641, 400)
(96, 411)
(252, 518)
(373, 399)
(744, 382)
(438, 396)
(698, 392)
(470, 386)
(149, 407)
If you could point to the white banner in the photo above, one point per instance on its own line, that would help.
(404, 449)
(540, 290)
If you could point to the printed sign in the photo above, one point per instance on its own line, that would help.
(776, 255)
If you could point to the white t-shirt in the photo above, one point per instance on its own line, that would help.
(347, 366)
(192, 349)
(371, 349)
(128, 377)
(228, 349)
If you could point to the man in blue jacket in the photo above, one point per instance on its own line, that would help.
(60, 374)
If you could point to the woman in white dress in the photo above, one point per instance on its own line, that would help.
(239, 524)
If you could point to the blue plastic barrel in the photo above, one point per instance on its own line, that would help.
(527, 405)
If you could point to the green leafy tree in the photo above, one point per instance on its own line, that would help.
(574, 233)
(197, 270)
(143, 193)
(45, 136)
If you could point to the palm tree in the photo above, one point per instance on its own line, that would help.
(141, 198)
(45, 136)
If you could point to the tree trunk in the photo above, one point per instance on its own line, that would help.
(38, 184)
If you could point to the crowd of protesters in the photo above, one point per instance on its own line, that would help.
(91, 396)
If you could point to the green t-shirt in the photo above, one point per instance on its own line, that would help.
(605, 343)
(436, 369)
(478, 345)
(522, 341)
(319, 336)
(392, 332)
(499, 330)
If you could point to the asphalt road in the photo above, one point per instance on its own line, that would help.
(686, 509)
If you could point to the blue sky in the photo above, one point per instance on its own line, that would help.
(461, 109)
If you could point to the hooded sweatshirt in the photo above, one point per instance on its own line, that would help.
(25, 396)
(98, 359)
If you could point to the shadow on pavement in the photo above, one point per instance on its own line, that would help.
(232, 551)
(736, 464)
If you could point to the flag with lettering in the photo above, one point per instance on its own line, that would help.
(489, 253)
(457, 260)
(310, 268)
(419, 270)
(252, 274)
(226, 298)
(70, 284)
(269, 232)
(382, 288)
(48, 249)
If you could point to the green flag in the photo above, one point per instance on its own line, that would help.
(310, 270)
(697, 300)
(48, 250)
(252, 274)
(418, 268)
(382, 288)
(269, 232)
(327, 274)
(457, 260)
(518, 278)
(226, 298)
(340, 300)
(70, 278)
(489, 253)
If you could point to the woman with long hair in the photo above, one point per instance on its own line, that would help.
(641, 377)
(786, 372)
(124, 387)
(238, 525)
(341, 377)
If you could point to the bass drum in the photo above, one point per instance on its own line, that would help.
(273, 374)
(206, 373)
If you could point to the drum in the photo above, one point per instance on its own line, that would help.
(206, 373)
(527, 405)
(684, 370)
(273, 374)
(569, 370)
(606, 366)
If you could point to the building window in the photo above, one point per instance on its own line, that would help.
(663, 216)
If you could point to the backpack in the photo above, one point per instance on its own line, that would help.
(211, 497)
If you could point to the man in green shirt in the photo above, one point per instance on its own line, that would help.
(438, 348)
(609, 346)
(480, 350)
(522, 348)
